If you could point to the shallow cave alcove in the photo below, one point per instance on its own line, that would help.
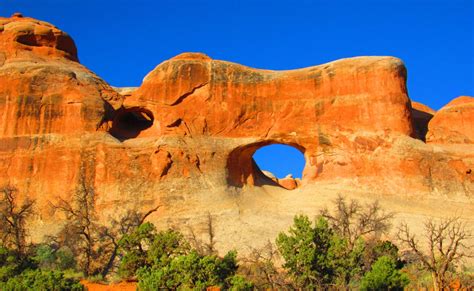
(420, 121)
(267, 163)
(129, 123)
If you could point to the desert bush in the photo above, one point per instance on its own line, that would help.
(166, 246)
(375, 249)
(384, 275)
(240, 283)
(352, 220)
(259, 267)
(339, 247)
(346, 261)
(305, 251)
(13, 217)
(9, 265)
(446, 244)
(466, 276)
(133, 250)
(165, 260)
(95, 246)
(40, 280)
(80, 233)
(12, 265)
(118, 229)
(192, 271)
(420, 279)
(49, 257)
(317, 257)
(145, 247)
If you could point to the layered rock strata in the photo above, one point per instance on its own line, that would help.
(185, 138)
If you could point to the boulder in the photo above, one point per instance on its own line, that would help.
(288, 182)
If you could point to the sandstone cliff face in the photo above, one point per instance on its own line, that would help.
(185, 138)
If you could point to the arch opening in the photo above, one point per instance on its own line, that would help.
(282, 163)
(129, 123)
(280, 160)
(267, 163)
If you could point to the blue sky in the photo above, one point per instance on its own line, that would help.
(123, 40)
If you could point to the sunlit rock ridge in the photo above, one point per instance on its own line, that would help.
(184, 139)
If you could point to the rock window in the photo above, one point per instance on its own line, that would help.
(266, 163)
(282, 163)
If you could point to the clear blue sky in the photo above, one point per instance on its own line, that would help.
(123, 40)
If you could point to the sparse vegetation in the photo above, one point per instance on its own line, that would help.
(192, 271)
(353, 221)
(340, 248)
(94, 246)
(384, 275)
(81, 232)
(445, 246)
(147, 248)
(13, 216)
(41, 280)
(259, 267)
(24, 266)
(52, 257)
(165, 260)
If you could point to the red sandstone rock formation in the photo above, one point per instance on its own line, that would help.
(44, 90)
(185, 138)
(454, 123)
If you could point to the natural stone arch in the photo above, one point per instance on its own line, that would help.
(242, 169)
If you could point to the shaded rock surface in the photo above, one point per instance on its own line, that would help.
(185, 139)
(421, 116)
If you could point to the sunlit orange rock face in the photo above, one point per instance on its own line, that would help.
(185, 138)
(197, 96)
(454, 123)
(44, 90)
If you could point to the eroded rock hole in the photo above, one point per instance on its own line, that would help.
(282, 163)
(129, 123)
(266, 163)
